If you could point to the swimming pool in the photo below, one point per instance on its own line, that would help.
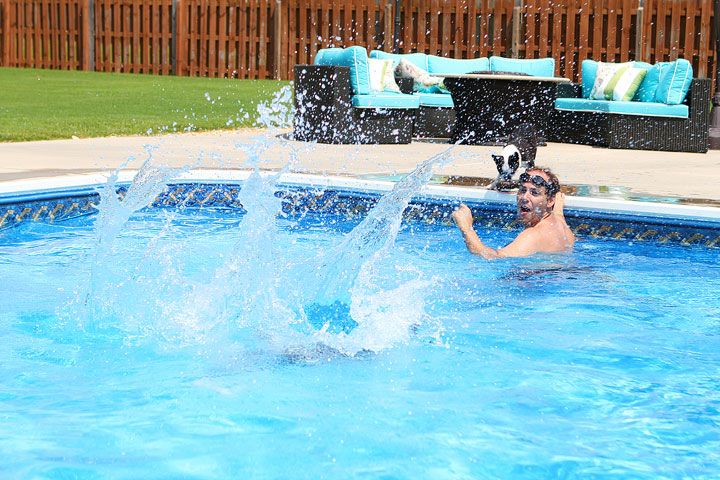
(206, 340)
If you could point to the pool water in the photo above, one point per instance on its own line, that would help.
(204, 347)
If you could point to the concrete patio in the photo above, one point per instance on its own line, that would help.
(646, 175)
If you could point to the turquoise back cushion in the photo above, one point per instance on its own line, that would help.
(674, 82)
(537, 67)
(646, 92)
(327, 55)
(440, 65)
(354, 57)
(588, 72)
(418, 59)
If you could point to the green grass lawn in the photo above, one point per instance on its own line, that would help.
(50, 104)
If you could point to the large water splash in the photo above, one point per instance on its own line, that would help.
(259, 292)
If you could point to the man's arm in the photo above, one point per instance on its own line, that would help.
(463, 219)
(559, 206)
(522, 246)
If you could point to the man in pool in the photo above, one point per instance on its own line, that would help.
(539, 207)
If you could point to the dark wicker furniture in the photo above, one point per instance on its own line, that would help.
(434, 122)
(490, 106)
(636, 131)
(324, 111)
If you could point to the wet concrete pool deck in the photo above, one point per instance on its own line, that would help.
(586, 171)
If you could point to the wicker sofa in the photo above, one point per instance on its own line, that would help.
(680, 127)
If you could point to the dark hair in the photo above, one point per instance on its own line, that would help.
(553, 180)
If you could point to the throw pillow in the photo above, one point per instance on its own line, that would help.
(674, 82)
(646, 92)
(623, 85)
(422, 80)
(382, 78)
(605, 73)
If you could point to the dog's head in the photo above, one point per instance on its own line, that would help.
(508, 161)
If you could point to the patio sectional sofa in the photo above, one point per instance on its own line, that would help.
(335, 102)
(669, 112)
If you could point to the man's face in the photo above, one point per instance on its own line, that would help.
(532, 200)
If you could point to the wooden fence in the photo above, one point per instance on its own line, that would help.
(266, 38)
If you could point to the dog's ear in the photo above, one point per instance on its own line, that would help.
(499, 162)
(514, 161)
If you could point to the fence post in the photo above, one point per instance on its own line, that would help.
(89, 51)
(5, 12)
(179, 57)
(173, 38)
(515, 43)
(277, 34)
(388, 36)
(639, 33)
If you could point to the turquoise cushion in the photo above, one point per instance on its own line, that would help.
(627, 108)
(537, 67)
(435, 99)
(646, 92)
(440, 65)
(354, 57)
(386, 100)
(674, 82)
(326, 56)
(417, 59)
(589, 70)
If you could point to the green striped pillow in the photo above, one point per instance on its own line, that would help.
(605, 73)
(624, 83)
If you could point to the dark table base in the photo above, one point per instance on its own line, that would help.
(487, 110)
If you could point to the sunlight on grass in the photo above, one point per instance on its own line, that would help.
(50, 104)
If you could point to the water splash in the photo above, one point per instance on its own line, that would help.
(258, 295)
(375, 234)
(114, 210)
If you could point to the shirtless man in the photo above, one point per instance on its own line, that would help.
(540, 208)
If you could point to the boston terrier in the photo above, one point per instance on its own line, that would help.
(518, 152)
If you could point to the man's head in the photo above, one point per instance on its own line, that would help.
(536, 195)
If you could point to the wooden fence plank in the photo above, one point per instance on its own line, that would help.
(706, 44)
(555, 24)
(674, 41)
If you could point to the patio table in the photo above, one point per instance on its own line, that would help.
(489, 105)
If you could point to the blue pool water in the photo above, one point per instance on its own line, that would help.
(202, 343)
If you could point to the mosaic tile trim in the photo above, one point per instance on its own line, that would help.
(53, 210)
(298, 202)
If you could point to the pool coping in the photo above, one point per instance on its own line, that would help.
(47, 188)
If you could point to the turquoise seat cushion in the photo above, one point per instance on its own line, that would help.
(354, 57)
(441, 65)
(435, 100)
(386, 100)
(674, 82)
(417, 59)
(626, 108)
(537, 67)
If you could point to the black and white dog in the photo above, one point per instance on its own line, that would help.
(519, 152)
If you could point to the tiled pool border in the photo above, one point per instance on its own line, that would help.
(57, 199)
